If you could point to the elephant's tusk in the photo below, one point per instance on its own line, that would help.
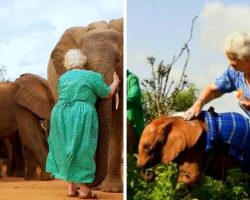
(43, 127)
(116, 101)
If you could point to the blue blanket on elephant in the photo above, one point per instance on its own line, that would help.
(232, 129)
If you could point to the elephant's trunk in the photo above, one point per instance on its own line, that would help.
(104, 113)
(148, 174)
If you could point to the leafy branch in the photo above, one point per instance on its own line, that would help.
(158, 89)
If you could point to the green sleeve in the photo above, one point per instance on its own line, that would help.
(133, 91)
(101, 89)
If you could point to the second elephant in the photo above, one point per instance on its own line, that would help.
(23, 104)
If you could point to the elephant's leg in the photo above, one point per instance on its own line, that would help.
(16, 164)
(3, 155)
(44, 137)
(33, 168)
(190, 166)
(8, 148)
(113, 181)
(30, 132)
(31, 165)
(189, 173)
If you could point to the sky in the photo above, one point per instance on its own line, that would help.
(161, 28)
(30, 29)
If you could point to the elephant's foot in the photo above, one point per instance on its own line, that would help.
(31, 177)
(112, 185)
(44, 176)
(16, 173)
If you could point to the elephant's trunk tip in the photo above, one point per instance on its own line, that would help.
(148, 175)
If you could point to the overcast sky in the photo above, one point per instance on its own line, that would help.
(31, 28)
(160, 28)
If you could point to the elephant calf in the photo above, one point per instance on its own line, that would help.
(23, 104)
(195, 146)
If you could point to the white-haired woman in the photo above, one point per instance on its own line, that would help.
(235, 78)
(74, 124)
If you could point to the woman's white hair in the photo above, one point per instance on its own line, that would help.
(238, 43)
(74, 58)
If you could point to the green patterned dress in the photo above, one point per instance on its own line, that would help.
(74, 126)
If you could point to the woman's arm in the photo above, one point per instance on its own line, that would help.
(113, 86)
(208, 94)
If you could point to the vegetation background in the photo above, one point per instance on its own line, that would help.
(163, 95)
(181, 97)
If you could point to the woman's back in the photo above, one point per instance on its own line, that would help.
(77, 85)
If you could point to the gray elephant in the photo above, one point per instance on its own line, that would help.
(102, 43)
(23, 104)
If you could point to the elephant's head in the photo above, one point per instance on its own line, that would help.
(165, 138)
(102, 44)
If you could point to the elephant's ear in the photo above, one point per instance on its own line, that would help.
(180, 135)
(117, 24)
(33, 93)
(100, 25)
(66, 42)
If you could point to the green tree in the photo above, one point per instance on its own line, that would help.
(185, 99)
(162, 96)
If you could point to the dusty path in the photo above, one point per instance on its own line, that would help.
(20, 189)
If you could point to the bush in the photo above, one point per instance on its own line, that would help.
(160, 188)
(236, 186)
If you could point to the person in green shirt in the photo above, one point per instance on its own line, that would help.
(134, 106)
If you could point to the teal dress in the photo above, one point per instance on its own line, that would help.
(74, 126)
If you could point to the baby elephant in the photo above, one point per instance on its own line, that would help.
(195, 145)
(23, 104)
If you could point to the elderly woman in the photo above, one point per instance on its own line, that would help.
(235, 78)
(74, 124)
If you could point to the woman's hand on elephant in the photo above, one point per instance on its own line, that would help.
(116, 79)
(113, 86)
(192, 112)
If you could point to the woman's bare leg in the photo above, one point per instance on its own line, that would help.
(71, 188)
(83, 189)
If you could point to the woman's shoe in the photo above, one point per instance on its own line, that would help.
(90, 195)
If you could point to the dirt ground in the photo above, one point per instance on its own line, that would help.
(20, 189)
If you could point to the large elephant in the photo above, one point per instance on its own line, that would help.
(102, 43)
(23, 104)
(169, 138)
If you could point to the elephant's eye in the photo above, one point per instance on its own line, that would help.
(117, 59)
